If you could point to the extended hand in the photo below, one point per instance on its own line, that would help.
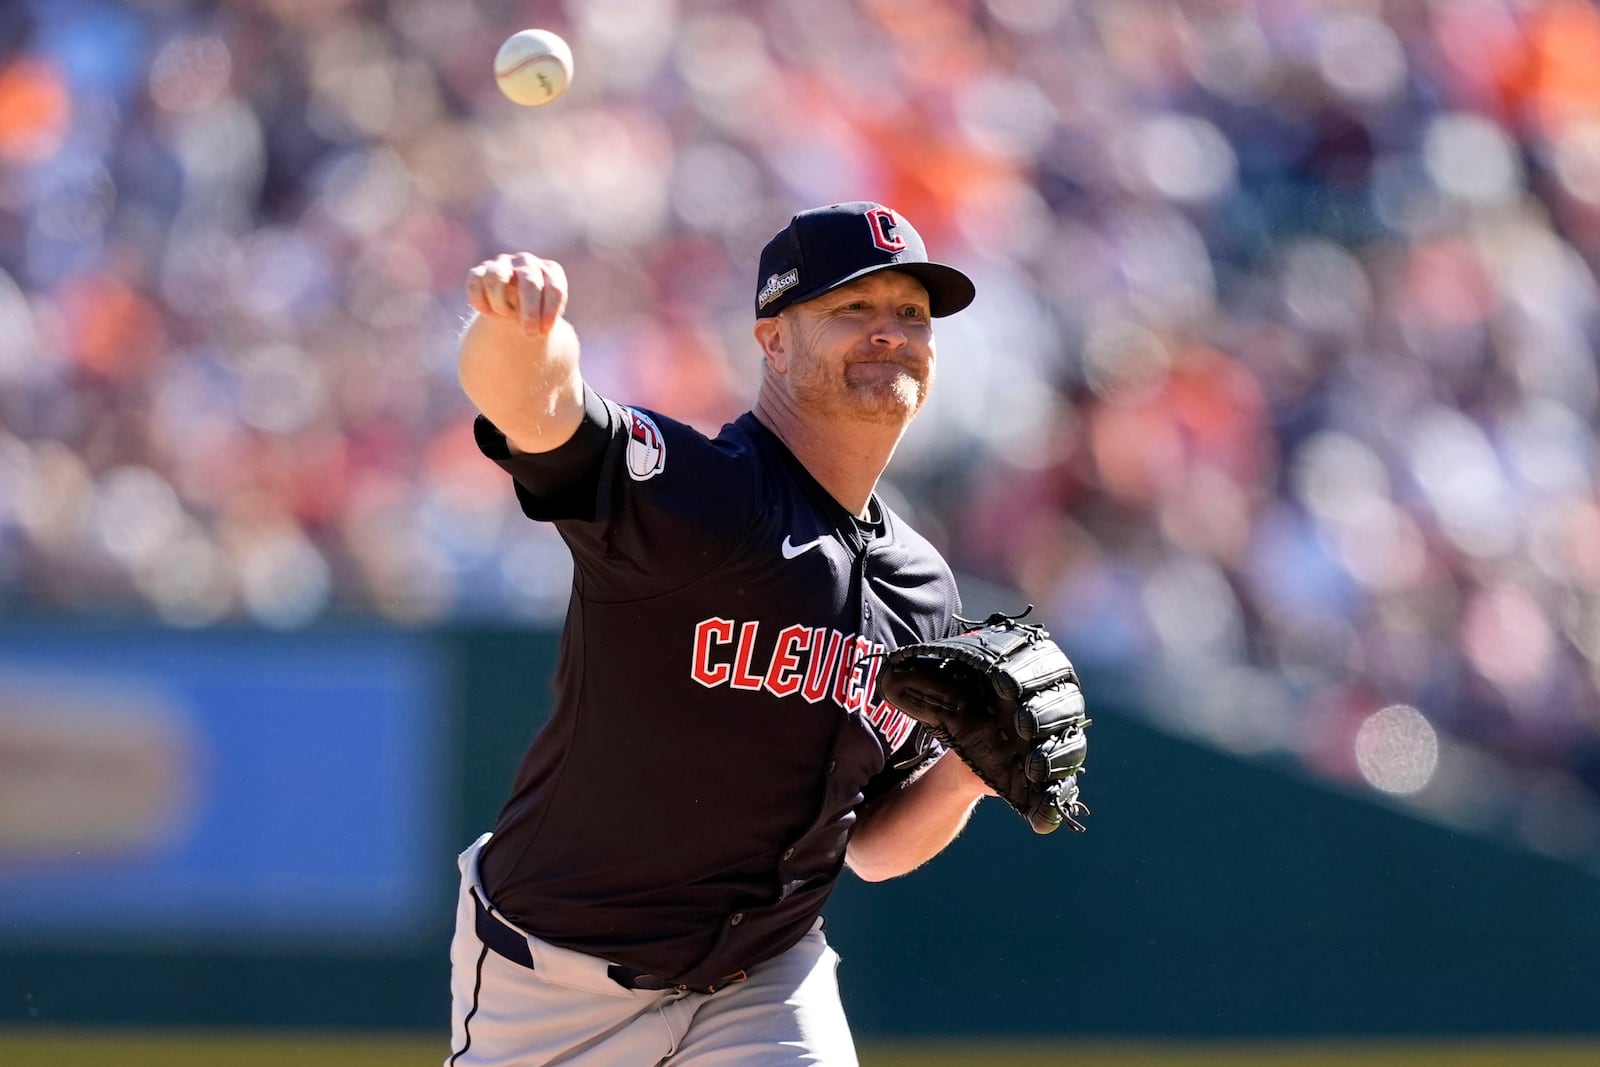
(519, 288)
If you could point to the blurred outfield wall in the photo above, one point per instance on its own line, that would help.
(241, 829)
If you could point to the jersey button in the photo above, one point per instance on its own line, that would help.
(788, 853)
(738, 917)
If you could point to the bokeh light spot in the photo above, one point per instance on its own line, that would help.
(1397, 750)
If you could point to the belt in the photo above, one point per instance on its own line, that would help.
(510, 944)
(629, 978)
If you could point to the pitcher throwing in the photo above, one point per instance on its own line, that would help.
(719, 746)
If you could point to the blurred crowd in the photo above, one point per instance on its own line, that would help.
(1278, 399)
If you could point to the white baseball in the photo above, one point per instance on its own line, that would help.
(533, 67)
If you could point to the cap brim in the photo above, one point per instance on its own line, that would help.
(948, 289)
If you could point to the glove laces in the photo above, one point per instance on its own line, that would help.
(998, 618)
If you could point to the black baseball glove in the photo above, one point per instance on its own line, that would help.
(1006, 699)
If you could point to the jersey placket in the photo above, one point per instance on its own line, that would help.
(797, 864)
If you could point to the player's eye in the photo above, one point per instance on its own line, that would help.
(911, 311)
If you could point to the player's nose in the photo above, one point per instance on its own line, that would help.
(889, 331)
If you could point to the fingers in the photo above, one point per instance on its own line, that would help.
(542, 294)
(520, 288)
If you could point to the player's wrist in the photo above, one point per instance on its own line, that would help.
(964, 779)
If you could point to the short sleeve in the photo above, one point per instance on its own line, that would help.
(561, 483)
(646, 503)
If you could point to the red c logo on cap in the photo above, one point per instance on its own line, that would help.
(882, 221)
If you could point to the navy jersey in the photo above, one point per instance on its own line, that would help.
(715, 728)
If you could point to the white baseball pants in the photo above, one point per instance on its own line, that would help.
(566, 1009)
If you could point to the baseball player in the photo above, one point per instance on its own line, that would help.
(717, 751)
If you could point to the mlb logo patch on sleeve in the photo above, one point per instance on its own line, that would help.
(647, 452)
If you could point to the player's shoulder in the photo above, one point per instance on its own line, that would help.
(653, 439)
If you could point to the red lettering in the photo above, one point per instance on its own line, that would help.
(883, 222)
(819, 670)
(742, 678)
(855, 693)
(718, 631)
(847, 667)
(837, 666)
(783, 675)
(869, 683)
(901, 730)
(894, 724)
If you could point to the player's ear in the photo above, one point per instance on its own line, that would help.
(774, 341)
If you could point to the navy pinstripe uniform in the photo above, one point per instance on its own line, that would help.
(682, 817)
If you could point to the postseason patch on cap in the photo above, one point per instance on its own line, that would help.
(826, 247)
(775, 286)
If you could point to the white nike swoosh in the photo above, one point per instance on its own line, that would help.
(791, 550)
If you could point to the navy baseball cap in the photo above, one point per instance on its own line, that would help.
(826, 247)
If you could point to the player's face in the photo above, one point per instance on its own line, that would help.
(864, 350)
